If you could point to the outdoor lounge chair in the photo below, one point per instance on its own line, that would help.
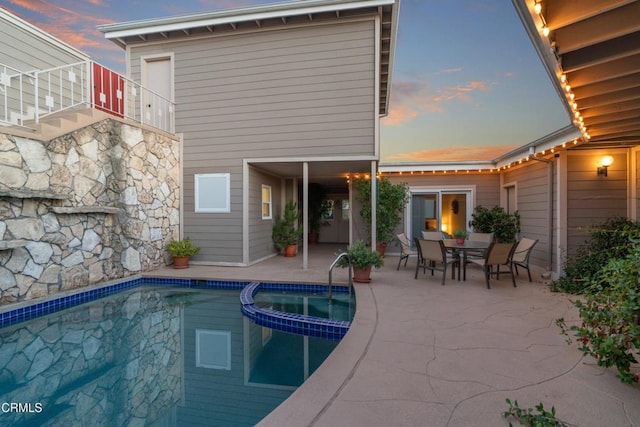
(498, 254)
(405, 249)
(431, 253)
(521, 254)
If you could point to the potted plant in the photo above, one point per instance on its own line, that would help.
(181, 250)
(361, 257)
(460, 235)
(318, 207)
(391, 200)
(286, 233)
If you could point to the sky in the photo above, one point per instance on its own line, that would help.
(467, 83)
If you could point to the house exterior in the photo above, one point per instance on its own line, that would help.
(268, 99)
(271, 98)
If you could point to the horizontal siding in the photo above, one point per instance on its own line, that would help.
(26, 52)
(260, 243)
(533, 206)
(219, 235)
(291, 92)
(303, 92)
(592, 199)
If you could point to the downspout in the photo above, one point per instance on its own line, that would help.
(549, 212)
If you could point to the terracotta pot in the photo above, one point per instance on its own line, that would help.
(313, 238)
(380, 248)
(460, 240)
(180, 262)
(290, 250)
(362, 276)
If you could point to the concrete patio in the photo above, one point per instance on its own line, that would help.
(422, 354)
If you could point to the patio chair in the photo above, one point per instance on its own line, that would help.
(498, 254)
(431, 253)
(521, 255)
(405, 249)
(479, 237)
(432, 235)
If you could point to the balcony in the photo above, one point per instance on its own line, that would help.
(28, 98)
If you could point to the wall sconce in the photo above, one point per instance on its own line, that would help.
(606, 162)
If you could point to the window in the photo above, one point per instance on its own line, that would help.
(213, 349)
(212, 193)
(266, 202)
(510, 197)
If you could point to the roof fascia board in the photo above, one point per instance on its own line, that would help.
(436, 166)
(392, 53)
(553, 140)
(531, 22)
(32, 29)
(136, 28)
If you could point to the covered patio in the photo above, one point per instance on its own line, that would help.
(419, 353)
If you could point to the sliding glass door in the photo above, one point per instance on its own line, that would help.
(443, 210)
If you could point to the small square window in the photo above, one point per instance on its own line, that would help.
(212, 193)
(266, 202)
(213, 349)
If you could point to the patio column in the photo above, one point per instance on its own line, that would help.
(305, 215)
(374, 200)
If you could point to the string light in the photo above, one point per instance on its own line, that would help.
(537, 7)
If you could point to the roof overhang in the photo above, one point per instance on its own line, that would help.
(592, 53)
(268, 16)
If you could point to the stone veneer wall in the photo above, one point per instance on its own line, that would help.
(96, 204)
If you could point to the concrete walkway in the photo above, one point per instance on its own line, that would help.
(422, 354)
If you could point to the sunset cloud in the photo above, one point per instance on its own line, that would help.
(456, 153)
(411, 99)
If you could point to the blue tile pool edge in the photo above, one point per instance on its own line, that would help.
(30, 310)
(333, 330)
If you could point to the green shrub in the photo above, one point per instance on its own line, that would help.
(361, 256)
(530, 417)
(184, 247)
(391, 200)
(608, 240)
(505, 227)
(610, 313)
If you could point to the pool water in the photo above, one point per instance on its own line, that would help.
(151, 356)
(341, 306)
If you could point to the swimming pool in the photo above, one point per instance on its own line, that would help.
(150, 355)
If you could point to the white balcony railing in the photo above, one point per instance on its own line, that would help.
(27, 97)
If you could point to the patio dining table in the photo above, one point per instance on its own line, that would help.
(462, 249)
